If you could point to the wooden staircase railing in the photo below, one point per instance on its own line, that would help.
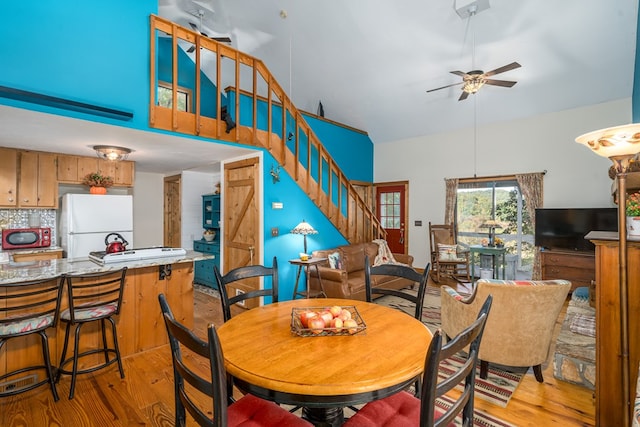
(274, 123)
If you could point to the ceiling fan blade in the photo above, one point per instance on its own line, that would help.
(458, 73)
(444, 87)
(221, 39)
(503, 83)
(502, 69)
(194, 26)
(191, 49)
(463, 96)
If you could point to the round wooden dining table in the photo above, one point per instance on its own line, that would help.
(323, 374)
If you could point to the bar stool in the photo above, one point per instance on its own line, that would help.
(93, 297)
(28, 308)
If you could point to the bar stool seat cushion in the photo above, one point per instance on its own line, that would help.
(26, 325)
(91, 312)
(251, 411)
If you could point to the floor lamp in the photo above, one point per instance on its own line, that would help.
(621, 144)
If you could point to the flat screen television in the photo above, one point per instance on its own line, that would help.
(565, 228)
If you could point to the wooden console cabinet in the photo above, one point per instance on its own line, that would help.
(576, 267)
(610, 404)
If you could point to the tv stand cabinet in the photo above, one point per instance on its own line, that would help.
(577, 267)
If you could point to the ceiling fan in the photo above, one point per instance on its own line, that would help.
(198, 28)
(473, 80)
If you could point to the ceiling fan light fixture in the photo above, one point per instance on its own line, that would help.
(473, 85)
(112, 152)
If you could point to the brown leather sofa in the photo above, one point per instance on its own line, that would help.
(348, 281)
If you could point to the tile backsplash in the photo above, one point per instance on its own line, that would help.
(25, 218)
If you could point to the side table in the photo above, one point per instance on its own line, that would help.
(308, 293)
(497, 254)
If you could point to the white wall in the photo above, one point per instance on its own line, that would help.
(575, 176)
(148, 207)
(194, 185)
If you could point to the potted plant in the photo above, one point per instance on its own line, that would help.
(97, 183)
(633, 214)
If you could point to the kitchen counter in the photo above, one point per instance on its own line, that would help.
(140, 323)
(12, 272)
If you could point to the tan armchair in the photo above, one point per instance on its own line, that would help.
(520, 326)
(448, 259)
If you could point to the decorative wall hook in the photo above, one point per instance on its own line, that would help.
(275, 174)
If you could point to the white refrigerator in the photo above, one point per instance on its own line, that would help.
(87, 219)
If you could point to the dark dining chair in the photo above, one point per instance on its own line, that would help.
(405, 409)
(245, 273)
(190, 384)
(92, 297)
(397, 270)
(29, 308)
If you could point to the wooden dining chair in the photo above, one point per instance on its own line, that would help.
(397, 270)
(405, 409)
(191, 382)
(245, 273)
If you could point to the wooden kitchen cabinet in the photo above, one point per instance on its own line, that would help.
(577, 267)
(73, 169)
(38, 180)
(8, 177)
(37, 256)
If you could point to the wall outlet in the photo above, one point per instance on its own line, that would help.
(275, 232)
(240, 292)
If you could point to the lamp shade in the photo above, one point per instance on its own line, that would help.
(491, 224)
(614, 141)
(304, 228)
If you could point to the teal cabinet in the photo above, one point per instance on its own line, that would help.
(203, 273)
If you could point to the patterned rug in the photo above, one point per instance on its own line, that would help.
(499, 385)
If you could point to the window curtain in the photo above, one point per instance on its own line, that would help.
(451, 185)
(531, 185)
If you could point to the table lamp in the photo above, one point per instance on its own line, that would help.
(621, 145)
(491, 225)
(304, 228)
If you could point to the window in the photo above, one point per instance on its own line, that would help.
(165, 97)
(480, 200)
(390, 217)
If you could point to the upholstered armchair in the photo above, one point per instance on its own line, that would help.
(520, 326)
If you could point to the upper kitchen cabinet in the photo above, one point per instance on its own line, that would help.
(8, 177)
(38, 184)
(72, 169)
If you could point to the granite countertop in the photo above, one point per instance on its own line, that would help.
(13, 272)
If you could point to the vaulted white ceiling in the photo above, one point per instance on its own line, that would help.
(370, 62)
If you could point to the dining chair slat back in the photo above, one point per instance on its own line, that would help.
(192, 381)
(242, 273)
(405, 409)
(397, 270)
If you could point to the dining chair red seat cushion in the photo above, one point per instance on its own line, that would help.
(398, 410)
(251, 411)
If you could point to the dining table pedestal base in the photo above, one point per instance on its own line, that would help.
(324, 417)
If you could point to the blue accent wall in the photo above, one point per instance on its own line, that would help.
(91, 52)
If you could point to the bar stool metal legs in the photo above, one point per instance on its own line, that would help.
(95, 297)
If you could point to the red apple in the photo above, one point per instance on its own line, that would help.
(316, 324)
(351, 325)
(335, 310)
(345, 314)
(305, 316)
(336, 324)
(326, 317)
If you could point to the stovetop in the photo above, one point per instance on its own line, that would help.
(101, 257)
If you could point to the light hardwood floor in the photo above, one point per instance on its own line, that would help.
(145, 396)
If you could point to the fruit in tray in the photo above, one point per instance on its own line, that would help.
(335, 318)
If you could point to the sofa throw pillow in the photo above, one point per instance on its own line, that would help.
(447, 252)
(335, 261)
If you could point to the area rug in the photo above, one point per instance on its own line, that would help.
(499, 385)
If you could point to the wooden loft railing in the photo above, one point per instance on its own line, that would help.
(267, 119)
